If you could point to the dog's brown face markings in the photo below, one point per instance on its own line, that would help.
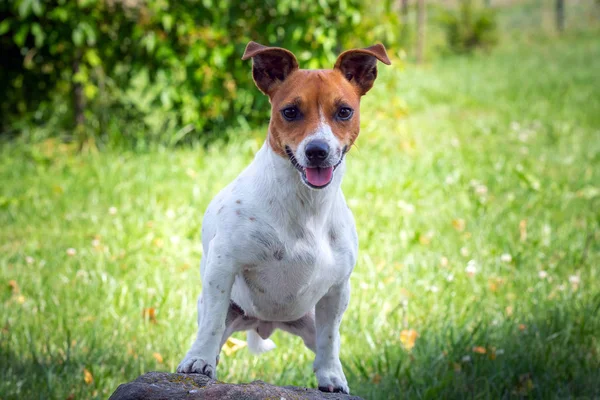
(318, 96)
(313, 97)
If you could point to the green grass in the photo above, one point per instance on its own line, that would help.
(468, 159)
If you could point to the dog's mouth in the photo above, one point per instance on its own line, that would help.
(315, 177)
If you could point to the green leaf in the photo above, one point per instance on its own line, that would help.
(90, 33)
(90, 90)
(530, 180)
(5, 202)
(60, 14)
(77, 36)
(38, 34)
(81, 76)
(36, 7)
(150, 41)
(167, 21)
(4, 26)
(91, 56)
(24, 8)
(21, 35)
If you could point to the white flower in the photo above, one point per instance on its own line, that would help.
(478, 187)
(406, 207)
(574, 279)
(434, 289)
(450, 278)
(170, 214)
(112, 210)
(464, 251)
(471, 268)
(403, 235)
(542, 274)
(546, 234)
(71, 251)
(466, 358)
(29, 260)
(481, 189)
(506, 258)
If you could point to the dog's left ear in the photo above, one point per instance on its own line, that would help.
(270, 65)
(359, 66)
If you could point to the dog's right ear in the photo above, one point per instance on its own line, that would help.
(270, 65)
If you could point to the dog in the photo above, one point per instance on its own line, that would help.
(280, 242)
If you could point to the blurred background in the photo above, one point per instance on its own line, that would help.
(132, 73)
(475, 185)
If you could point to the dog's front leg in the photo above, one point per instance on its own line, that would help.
(213, 305)
(328, 312)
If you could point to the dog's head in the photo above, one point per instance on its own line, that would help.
(314, 113)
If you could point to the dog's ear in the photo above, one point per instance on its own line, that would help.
(359, 66)
(270, 65)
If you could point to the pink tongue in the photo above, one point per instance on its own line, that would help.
(319, 176)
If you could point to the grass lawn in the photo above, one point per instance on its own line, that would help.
(476, 190)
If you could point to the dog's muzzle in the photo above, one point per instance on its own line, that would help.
(317, 174)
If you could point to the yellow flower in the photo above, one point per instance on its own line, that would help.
(149, 313)
(232, 345)
(459, 224)
(158, 357)
(87, 376)
(408, 338)
(14, 286)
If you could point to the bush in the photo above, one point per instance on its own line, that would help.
(470, 28)
(154, 70)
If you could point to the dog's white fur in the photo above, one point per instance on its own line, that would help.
(283, 253)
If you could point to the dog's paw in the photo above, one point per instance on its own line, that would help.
(197, 365)
(332, 380)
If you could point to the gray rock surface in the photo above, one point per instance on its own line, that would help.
(162, 385)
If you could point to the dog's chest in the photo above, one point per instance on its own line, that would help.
(301, 269)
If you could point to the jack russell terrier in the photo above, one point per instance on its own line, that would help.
(280, 242)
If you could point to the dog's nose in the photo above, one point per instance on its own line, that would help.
(317, 151)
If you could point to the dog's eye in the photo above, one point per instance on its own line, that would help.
(345, 113)
(290, 113)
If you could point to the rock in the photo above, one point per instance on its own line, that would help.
(162, 385)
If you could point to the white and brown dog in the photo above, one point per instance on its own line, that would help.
(279, 241)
